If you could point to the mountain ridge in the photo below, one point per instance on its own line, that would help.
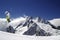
(29, 23)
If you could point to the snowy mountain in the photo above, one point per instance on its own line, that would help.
(55, 22)
(29, 26)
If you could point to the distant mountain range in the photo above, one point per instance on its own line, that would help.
(31, 26)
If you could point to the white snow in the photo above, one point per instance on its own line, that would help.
(20, 30)
(10, 36)
(17, 21)
(55, 22)
(3, 24)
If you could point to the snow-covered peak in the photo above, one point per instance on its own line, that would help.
(17, 21)
(37, 19)
(55, 22)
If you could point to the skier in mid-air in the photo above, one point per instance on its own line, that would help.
(7, 16)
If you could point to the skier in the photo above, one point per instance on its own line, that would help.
(7, 16)
(9, 28)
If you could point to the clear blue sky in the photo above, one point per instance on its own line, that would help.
(47, 9)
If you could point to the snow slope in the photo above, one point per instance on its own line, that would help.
(9, 36)
(55, 22)
(3, 24)
(15, 22)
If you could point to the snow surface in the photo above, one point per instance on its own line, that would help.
(10, 36)
(3, 24)
(55, 22)
(17, 21)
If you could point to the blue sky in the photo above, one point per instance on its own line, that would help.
(47, 9)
